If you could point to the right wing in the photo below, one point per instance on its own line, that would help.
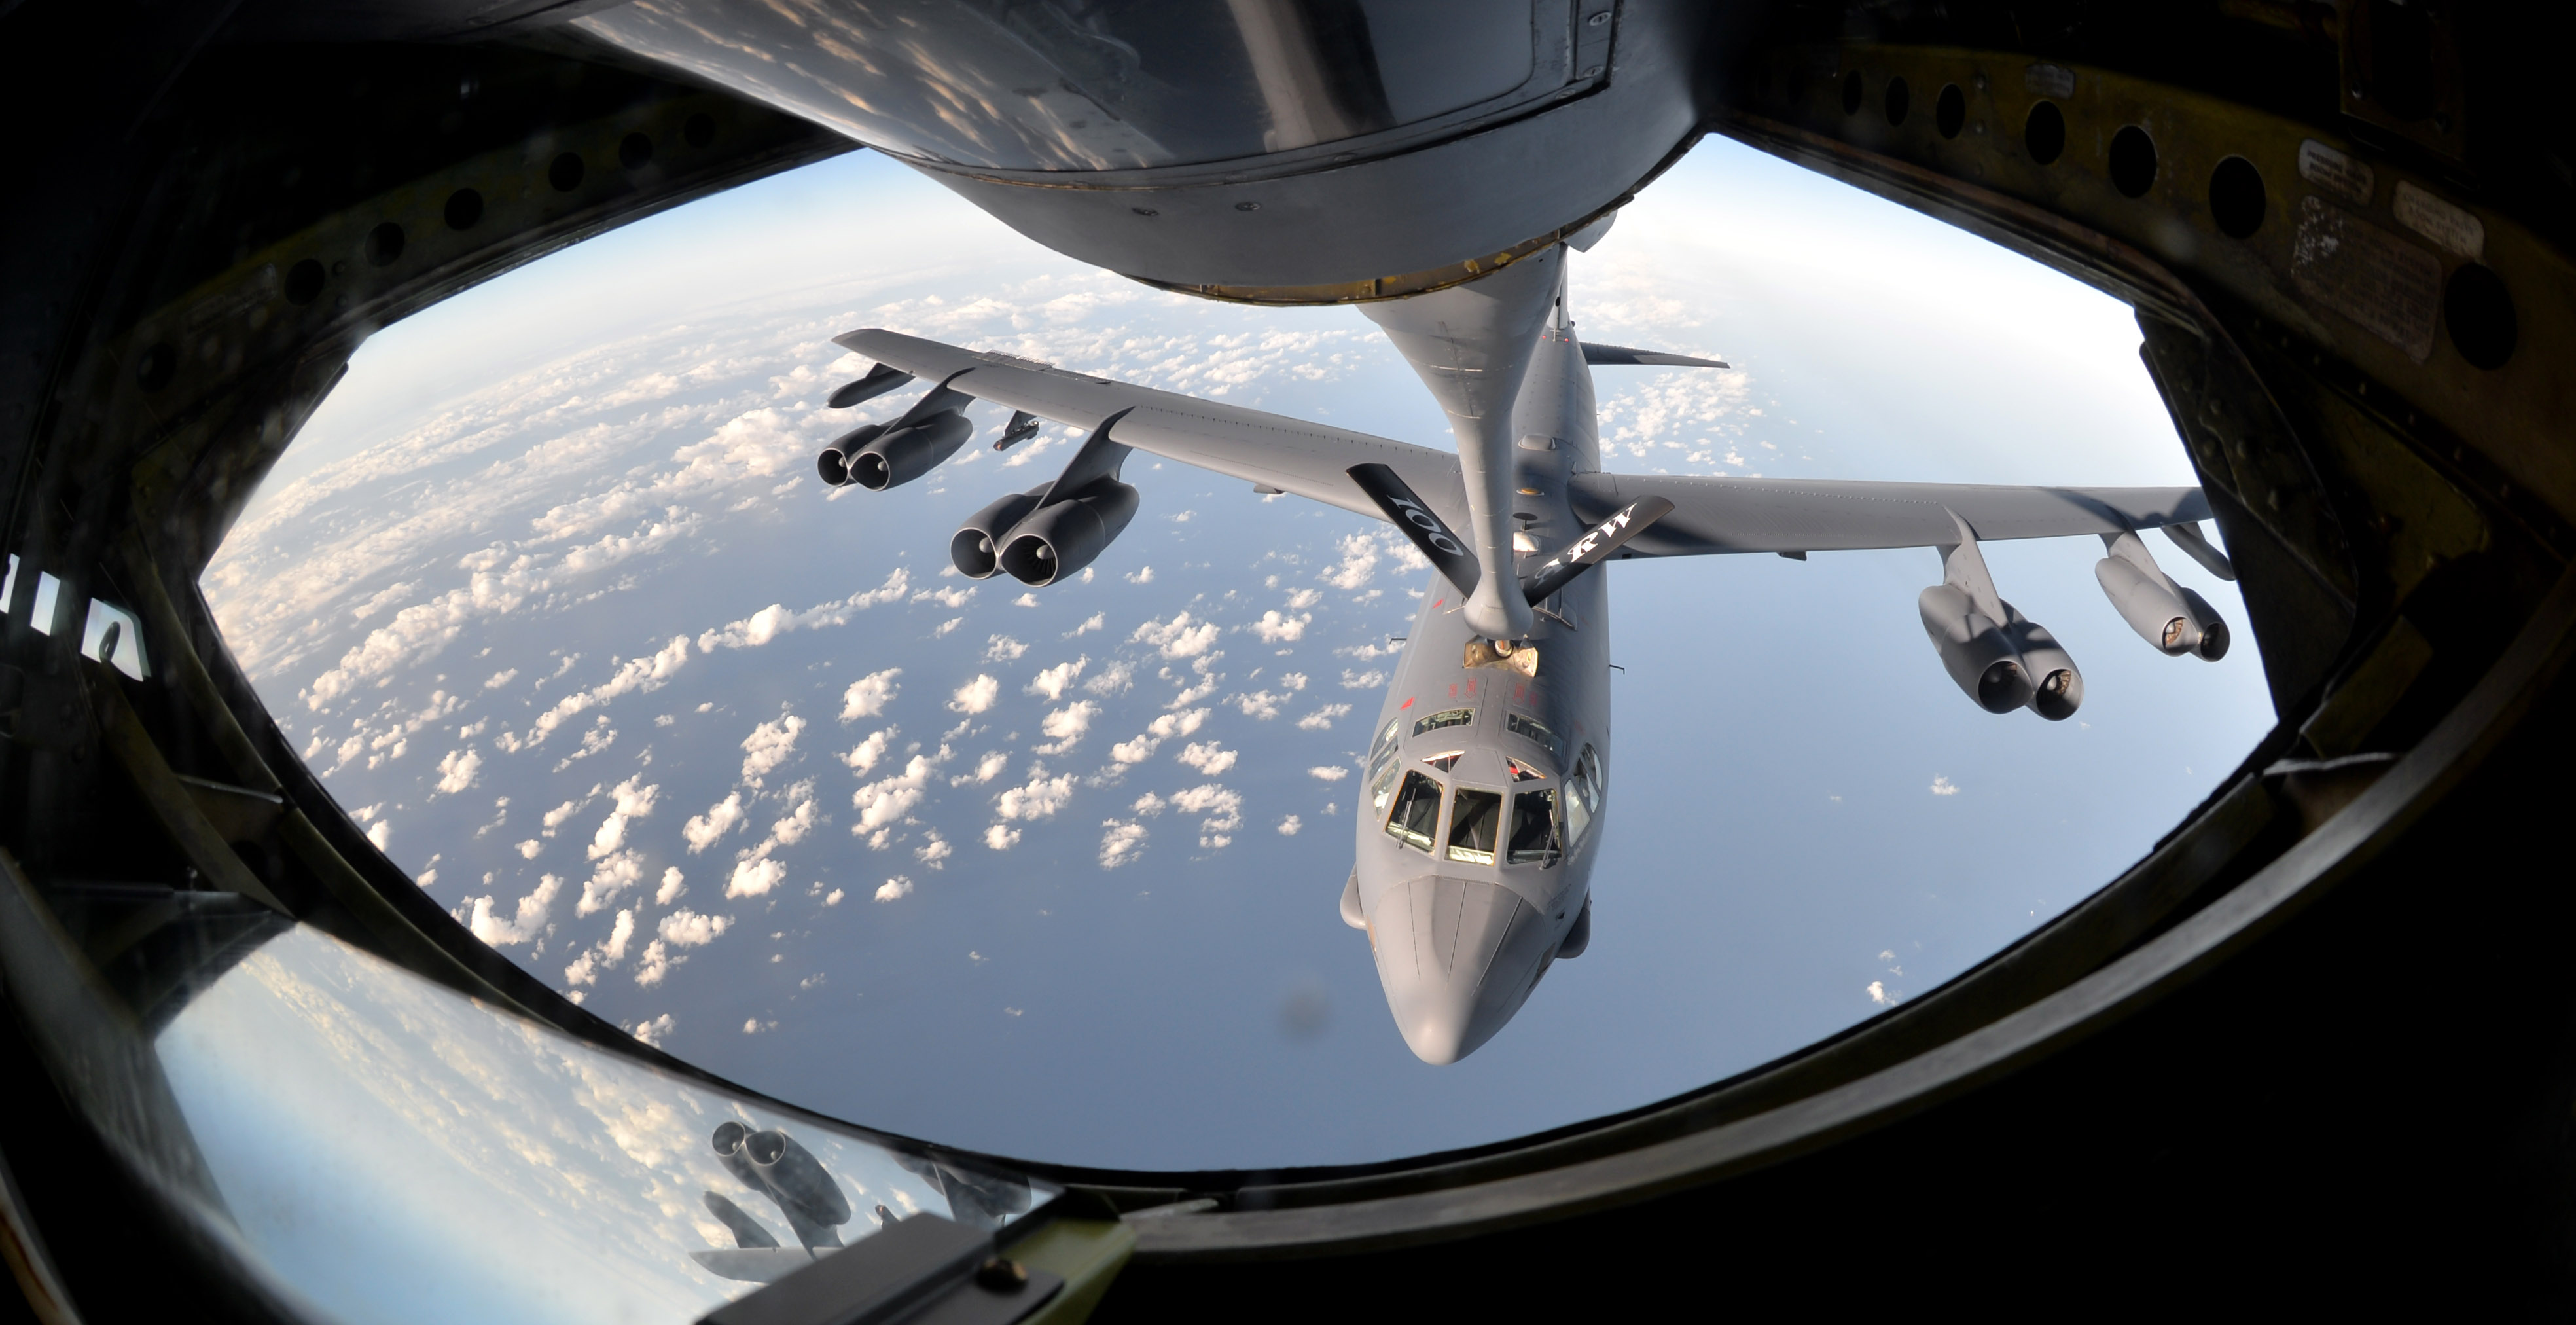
(1269, 450)
(1712, 515)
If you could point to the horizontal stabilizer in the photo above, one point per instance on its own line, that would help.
(1621, 354)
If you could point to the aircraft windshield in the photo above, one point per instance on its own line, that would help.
(1474, 818)
(1534, 837)
(1417, 812)
(1445, 718)
(1382, 766)
(1582, 796)
(1534, 730)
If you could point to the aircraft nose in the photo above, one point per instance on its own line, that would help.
(1456, 957)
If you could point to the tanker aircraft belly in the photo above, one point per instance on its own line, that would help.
(1486, 785)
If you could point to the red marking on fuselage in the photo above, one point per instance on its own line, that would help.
(1453, 690)
(1471, 685)
(1408, 703)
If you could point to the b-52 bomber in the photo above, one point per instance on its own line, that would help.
(1488, 778)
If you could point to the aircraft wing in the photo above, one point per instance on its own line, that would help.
(1713, 515)
(1291, 455)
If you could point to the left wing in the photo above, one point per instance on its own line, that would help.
(1793, 516)
(1270, 450)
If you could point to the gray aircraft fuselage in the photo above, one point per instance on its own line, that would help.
(1461, 924)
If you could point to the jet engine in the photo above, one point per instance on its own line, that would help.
(1064, 536)
(976, 551)
(796, 1177)
(834, 462)
(2166, 615)
(899, 456)
(2002, 659)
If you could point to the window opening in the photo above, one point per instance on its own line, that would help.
(1535, 838)
(1444, 762)
(113, 636)
(1475, 819)
(1382, 766)
(1444, 718)
(1417, 811)
(1522, 772)
(1534, 730)
(1582, 797)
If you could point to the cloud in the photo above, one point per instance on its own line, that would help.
(1112, 679)
(1223, 808)
(1091, 623)
(1177, 638)
(656, 963)
(633, 802)
(755, 877)
(458, 770)
(894, 889)
(528, 850)
(525, 923)
(615, 875)
(975, 696)
(865, 754)
(1001, 837)
(1259, 704)
(768, 746)
(868, 696)
(1942, 786)
(1002, 648)
(653, 1030)
(1160, 730)
(673, 884)
(1066, 727)
(1274, 628)
(1328, 772)
(949, 598)
(500, 679)
(775, 620)
(701, 831)
(1143, 575)
(685, 928)
(1124, 841)
(1148, 805)
(935, 852)
(986, 769)
(1288, 827)
(1322, 718)
(1054, 681)
(651, 672)
(1879, 994)
(1303, 599)
(1039, 798)
(799, 819)
(1207, 758)
(1367, 680)
(887, 800)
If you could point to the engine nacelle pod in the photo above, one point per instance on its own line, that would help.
(1973, 650)
(798, 1179)
(2213, 628)
(976, 550)
(897, 458)
(2157, 613)
(1063, 537)
(2056, 688)
(834, 462)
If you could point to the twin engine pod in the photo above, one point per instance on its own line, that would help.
(877, 459)
(1040, 542)
(2166, 615)
(2003, 665)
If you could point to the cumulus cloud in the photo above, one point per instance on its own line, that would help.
(1274, 628)
(1177, 638)
(755, 877)
(651, 672)
(1259, 704)
(656, 963)
(775, 620)
(894, 889)
(1207, 758)
(886, 801)
(1223, 808)
(653, 1030)
(614, 875)
(1001, 837)
(1160, 730)
(1053, 681)
(935, 852)
(701, 831)
(1942, 786)
(1065, 727)
(458, 770)
(633, 802)
(1362, 680)
(1328, 772)
(1288, 827)
(1123, 842)
(685, 928)
(769, 745)
(975, 696)
(525, 923)
(1002, 648)
(864, 756)
(1091, 623)
(673, 884)
(1879, 994)
(868, 696)
(1112, 679)
(1039, 798)
(1322, 718)
(986, 769)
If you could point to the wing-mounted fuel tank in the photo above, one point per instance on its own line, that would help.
(2002, 659)
(1045, 534)
(2165, 614)
(877, 456)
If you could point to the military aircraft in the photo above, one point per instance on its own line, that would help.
(1487, 780)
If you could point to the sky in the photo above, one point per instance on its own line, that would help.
(551, 598)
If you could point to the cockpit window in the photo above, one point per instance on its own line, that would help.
(1445, 760)
(1582, 797)
(1444, 718)
(1523, 772)
(1417, 811)
(1475, 818)
(1534, 829)
(1381, 765)
(1535, 730)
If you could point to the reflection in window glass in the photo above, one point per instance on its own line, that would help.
(1582, 796)
(1535, 730)
(1534, 840)
(1381, 765)
(1523, 772)
(1445, 718)
(1445, 760)
(1417, 811)
(1474, 819)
